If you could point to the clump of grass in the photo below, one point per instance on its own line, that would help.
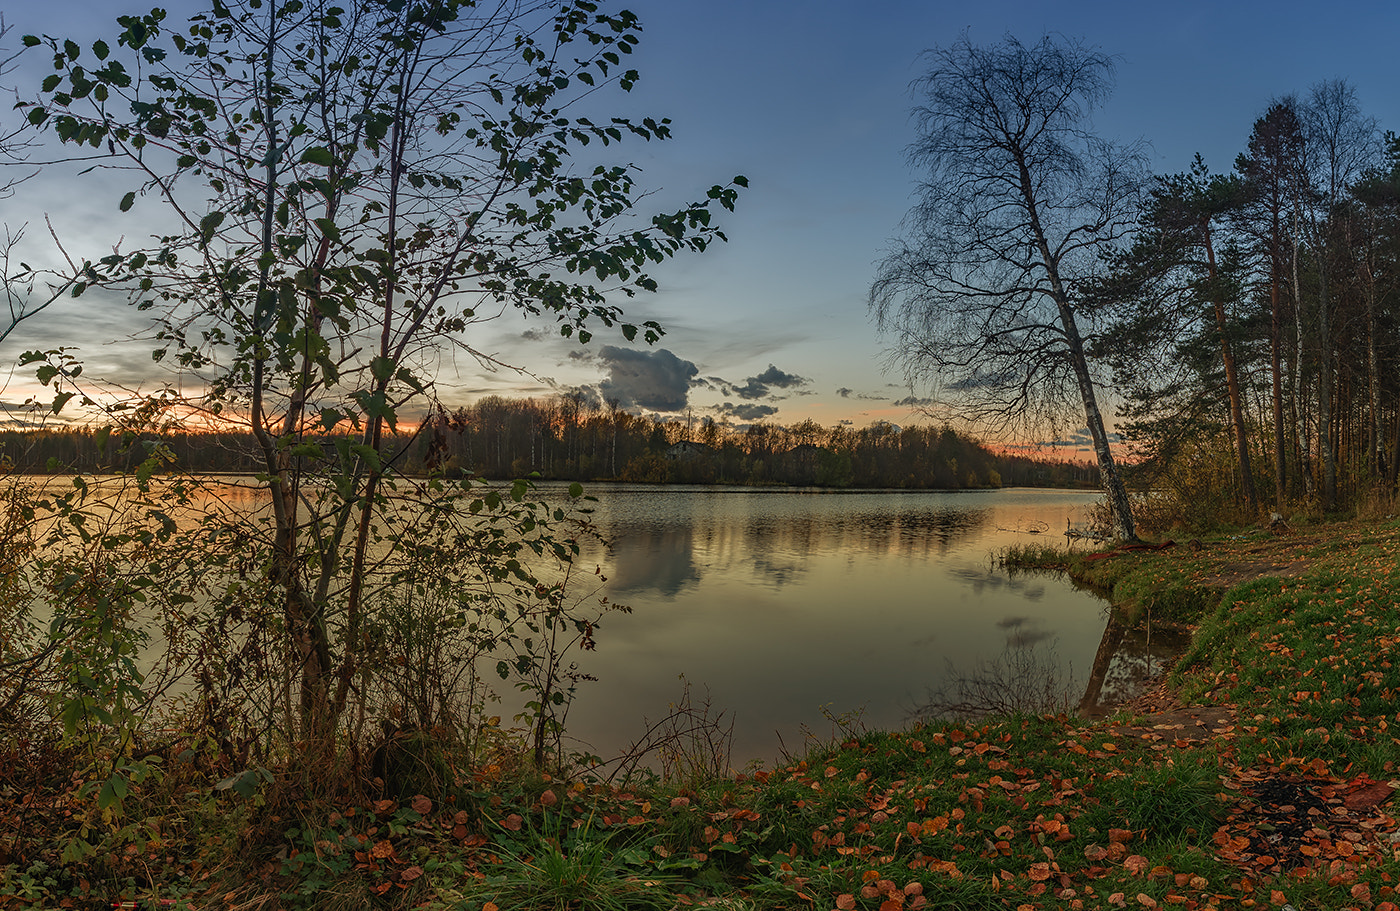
(1036, 556)
(1163, 800)
(560, 867)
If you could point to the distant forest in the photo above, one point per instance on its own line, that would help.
(569, 438)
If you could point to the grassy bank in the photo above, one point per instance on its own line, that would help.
(1259, 778)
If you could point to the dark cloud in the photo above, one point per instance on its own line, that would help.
(586, 395)
(654, 380)
(19, 416)
(536, 335)
(844, 392)
(762, 386)
(757, 387)
(747, 412)
(911, 401)
(1079, 439)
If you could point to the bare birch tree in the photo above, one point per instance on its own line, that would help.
(1018, 200)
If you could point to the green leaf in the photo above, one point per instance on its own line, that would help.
(128, 201)
(328, 228)
(209, 224)
(382, 368)
(245, 783)
(318, 155)
(113, 792)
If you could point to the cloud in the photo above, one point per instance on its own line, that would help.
(747, 412)
(762, 386)
(757, 387)
(1079, 439)
(844, 392)
(654, 380)
(914, 402)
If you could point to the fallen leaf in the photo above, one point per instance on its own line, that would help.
(1364, 794)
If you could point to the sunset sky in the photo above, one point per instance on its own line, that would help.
(810, 102)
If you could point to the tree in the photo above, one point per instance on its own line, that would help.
(1018, 202)
(1341, 145)
(344, 189)
(1162, 285)
(19, 278)
(1273, 181)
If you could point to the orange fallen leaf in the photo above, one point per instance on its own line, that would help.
(1136, 863)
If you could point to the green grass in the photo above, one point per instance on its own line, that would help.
(1005, 813)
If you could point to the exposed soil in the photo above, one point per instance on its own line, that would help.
(1281, 557)
(1166, 721)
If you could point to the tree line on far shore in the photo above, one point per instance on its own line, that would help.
(568, 437)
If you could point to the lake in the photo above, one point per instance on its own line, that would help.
(789, 607)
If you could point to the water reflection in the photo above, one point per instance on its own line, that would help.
(782, 603)
(652, 559)
(662, 542)
(1024, 632)
(1126, 661)
(981, 578)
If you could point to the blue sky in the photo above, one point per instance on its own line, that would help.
(810, 101)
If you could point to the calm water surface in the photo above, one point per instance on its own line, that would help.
(783, 603)
(788, 607)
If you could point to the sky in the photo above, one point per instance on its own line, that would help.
(810, 102)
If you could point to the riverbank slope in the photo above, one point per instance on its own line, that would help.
(1258, 775)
